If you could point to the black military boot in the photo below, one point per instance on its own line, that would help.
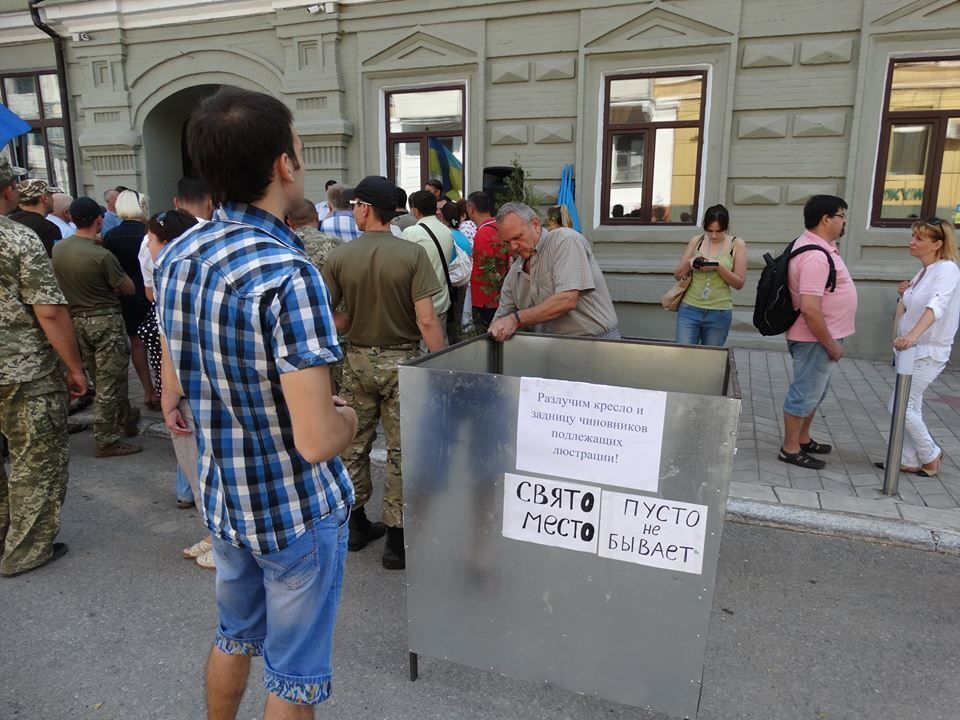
(394, 554)
(362, 531)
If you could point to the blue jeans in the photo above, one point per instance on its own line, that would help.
(811, 377)
(283, 605)
(696, 326)
(184, 491)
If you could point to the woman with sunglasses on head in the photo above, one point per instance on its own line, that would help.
(927, 317)
(717, 263)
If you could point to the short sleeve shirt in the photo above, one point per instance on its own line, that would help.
(562, 261)
(487, 249)
(26, 279)
(380, 277)
(807, 275)
(87, 273)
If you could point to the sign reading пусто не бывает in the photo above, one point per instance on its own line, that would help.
(599, 433)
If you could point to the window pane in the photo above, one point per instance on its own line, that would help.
(675, 174)
(406, 165)
(50, 92)
(22, 96)
(930, 85)
(36, 156)
(905, 172)
(58, 156)
(948, 198)
(660, 99)
(626, 174)
(425, 111)
(446, 164)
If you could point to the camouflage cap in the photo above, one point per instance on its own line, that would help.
(33, 190)
(8, 172)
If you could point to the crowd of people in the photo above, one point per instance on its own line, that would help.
(268, 329)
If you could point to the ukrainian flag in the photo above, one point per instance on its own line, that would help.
(444, 166)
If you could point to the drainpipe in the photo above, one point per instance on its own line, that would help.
(64, 96)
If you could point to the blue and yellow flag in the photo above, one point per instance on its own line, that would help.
(444, 166)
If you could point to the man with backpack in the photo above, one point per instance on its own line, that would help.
(826, 317)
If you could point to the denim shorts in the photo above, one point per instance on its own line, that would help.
(697, 326)
(811, 377)
(283, 606)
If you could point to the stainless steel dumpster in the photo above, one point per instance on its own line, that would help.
(564, 503)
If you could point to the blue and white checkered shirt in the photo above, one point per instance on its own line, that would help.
(342, 225)
(240, 303)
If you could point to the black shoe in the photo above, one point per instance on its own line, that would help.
(394, 553)
(362, 531)
(59, 550)
(801, 459)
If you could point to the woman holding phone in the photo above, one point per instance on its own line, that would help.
(718, 262)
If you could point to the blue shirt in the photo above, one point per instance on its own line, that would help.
(240, 303)
(342, 225)
(110, 221)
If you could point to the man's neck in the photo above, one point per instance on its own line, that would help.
(819, 235)
(86, 233)
(481, 219)
(32, 208)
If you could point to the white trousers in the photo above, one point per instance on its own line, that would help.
(919, 447)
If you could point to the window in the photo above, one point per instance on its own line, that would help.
(425, 138)
(918, 162)
(652, 140)
(35, 97)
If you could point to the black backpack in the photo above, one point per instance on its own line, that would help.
(773, 312)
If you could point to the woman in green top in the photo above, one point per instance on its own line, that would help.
(717, 262)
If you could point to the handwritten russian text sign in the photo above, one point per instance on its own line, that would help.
(550, 512)
(600, 433)
(650, 531)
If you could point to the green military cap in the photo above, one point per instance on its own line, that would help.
(31, 190)
(8, 172)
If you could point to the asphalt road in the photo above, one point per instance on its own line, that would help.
(803, 626)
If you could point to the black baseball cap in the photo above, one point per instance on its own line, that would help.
(374, 190)
(84, 208)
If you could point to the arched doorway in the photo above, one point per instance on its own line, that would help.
(164, 143)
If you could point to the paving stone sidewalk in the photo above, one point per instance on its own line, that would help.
(854, 419)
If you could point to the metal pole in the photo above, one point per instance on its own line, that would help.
(901, 392)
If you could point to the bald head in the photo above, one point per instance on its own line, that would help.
(302, 212)
(61, 206)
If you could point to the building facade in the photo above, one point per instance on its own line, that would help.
(663, 108)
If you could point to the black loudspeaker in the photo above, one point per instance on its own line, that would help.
(493, 181)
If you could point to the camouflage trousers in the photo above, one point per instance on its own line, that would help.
(370, 386)
(105, 348)
(33, 417)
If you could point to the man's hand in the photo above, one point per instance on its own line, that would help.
(835, 351)
(346, 411)
(76, 382)
(503, 328)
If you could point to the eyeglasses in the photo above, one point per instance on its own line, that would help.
(842, 216)
(356, 202)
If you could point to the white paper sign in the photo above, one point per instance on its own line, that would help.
(598, 433)
(550, 512)
(650, 531)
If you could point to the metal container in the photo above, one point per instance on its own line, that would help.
(626, 632)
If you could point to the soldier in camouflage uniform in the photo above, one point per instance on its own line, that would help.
(34, 328)
(302, 218)
(387, 285)
(91, 279)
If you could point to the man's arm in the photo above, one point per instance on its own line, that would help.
(58, 327)
(429, 324)
(557, 305)
(812, 313)
(126, 287)
(322, 425)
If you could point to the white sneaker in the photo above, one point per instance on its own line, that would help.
(197, 549)
(206, 561)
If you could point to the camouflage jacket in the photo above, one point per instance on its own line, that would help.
(26, 279)
(317, 244)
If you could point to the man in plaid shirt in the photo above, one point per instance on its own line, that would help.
(250, 332)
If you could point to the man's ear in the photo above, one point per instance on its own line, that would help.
(284, 167)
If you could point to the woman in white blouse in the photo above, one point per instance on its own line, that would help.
(927, 316)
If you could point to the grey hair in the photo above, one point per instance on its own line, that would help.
(335, 197)
(525, 212)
